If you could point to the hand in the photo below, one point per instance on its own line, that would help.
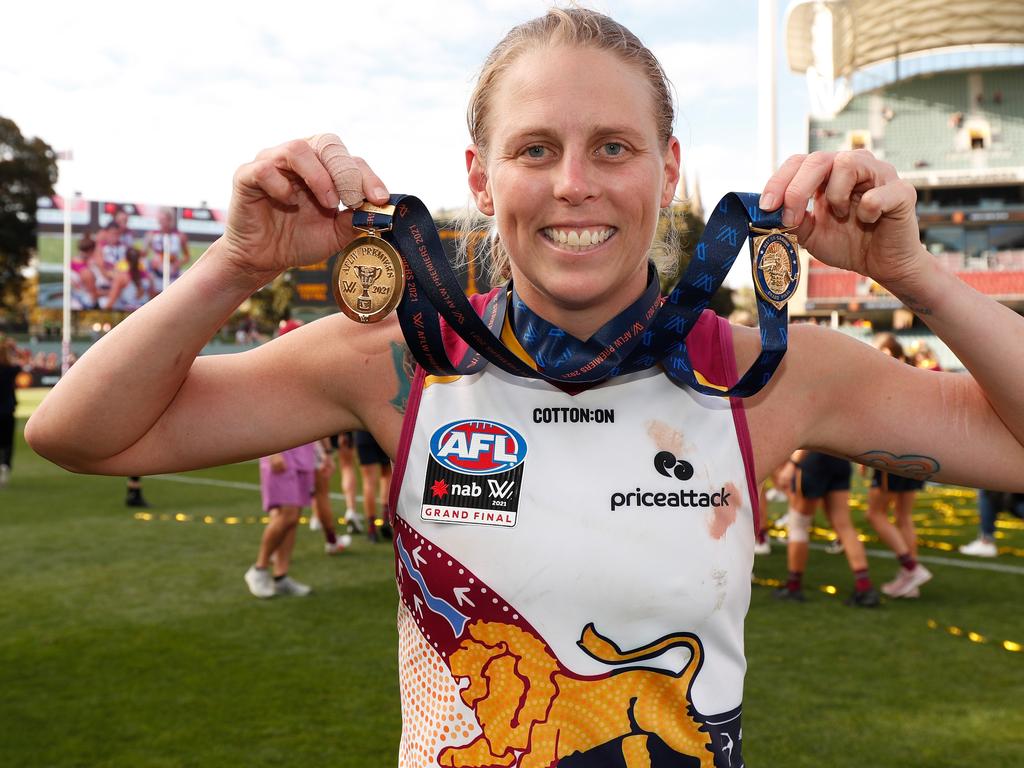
(284, 205)
(278, 464)
(864, 216)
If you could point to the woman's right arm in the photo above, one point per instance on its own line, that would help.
(141, 401)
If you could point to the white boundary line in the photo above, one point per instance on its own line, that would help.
(236, 485)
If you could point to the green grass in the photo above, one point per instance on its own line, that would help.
(133, 642)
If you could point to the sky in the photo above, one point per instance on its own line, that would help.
(160, 104)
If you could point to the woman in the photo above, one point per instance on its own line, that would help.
(584, 620)
(887, 489)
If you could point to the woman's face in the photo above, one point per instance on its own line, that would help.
(575, 175)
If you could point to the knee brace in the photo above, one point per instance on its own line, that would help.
(799, 527)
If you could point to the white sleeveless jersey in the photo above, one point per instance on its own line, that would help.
(574, 570)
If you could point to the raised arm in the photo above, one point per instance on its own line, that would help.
(841, 396)
(141, 402)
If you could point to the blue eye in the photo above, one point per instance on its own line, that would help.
(536, 151)
(613, 149)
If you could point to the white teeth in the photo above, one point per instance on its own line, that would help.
(578, 239)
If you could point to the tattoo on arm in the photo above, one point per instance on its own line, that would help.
(405, 368)
(909, 465)
(915, 306)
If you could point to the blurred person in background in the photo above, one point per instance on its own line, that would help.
(818, 477)
(888, 490)
(322, 516)
(153, 248)
(375, 469)
(287, 481)
(990, 504)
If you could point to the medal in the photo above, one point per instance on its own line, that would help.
(368, 278)
(776, 265)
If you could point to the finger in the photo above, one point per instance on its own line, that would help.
(810, 176)
(265, 178)
(299, 158)
(345, 172)
(372, 185)
(895, 198)
(771, 196)
(853, 174)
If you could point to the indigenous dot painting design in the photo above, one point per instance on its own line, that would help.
(480, 687)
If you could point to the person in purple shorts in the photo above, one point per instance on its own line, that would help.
(286, 484)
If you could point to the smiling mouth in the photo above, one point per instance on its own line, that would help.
(578, 239)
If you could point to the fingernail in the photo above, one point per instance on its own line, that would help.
(767, 202)
(380, 193)
(788, 217)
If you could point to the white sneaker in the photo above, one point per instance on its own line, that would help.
(355, 525)
(762, 547)
(342, 543)
(907, 582)
(260, 582)
(980, 547)
(5, 475)
(774, 494)
(289, 586)
(834, 547)
(314, 523)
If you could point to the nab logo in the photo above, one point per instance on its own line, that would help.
(478, 447)
(667, 465)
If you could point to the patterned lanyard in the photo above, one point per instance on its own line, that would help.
(650, 331)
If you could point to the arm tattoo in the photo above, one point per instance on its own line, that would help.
(405, 368)
(915, 306)
(909, 465)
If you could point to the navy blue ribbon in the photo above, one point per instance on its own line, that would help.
(649, 331)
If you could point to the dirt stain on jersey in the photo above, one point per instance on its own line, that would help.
(720, 520)
(666, 438)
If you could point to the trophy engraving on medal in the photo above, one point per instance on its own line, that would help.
(368, 278)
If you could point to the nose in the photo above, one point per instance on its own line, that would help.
(575, 178)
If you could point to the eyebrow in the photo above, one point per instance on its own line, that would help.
(543, 132)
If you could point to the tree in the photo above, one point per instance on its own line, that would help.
(28, 171)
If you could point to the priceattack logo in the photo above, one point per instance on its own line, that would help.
(668, 466)
(474, 474)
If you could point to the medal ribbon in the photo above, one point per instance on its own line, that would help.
(649, 331)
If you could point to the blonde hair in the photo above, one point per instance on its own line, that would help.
(578, 28)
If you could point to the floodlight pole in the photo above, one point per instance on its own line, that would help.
(767, 20)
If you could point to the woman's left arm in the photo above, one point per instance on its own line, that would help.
(963, 428)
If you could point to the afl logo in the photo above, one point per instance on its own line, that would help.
(478, 447)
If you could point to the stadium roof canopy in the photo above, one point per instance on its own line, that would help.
(866, 32)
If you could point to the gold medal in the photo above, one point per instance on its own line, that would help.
(368, 278)
(776, 264)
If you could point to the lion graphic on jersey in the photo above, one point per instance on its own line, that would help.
(532, 712)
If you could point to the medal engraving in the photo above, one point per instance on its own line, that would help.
(368, 279)
(776, 265)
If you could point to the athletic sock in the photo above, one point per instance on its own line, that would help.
(861, 580)
(794, 582)
(761, 536)
(908, 561)
(330, 535)
(279, 578)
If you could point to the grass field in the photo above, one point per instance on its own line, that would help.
(127, 641)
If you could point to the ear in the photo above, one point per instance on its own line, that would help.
(672, 164)
(478, 182)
